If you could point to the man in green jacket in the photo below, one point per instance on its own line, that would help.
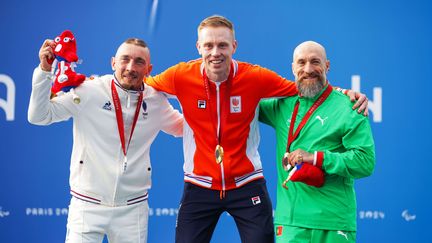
(327, 135)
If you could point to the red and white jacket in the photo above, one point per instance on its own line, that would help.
(97, 167)
(230, 105)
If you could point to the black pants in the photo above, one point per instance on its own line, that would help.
(249, 205)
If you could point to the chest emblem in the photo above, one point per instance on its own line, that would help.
(202, 104)
(107, 106)
(322, 120)
(235, 104)
(144, 110)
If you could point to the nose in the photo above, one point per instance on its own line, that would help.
(215, 51)
(308, 68)
(130, 65)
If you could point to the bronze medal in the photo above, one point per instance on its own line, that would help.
(219, 154)
(285, 161)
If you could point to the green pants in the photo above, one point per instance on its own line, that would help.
(290, 234)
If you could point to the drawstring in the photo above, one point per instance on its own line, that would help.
(222, 194)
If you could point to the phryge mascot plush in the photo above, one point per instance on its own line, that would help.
(65, 52)
(303, 172)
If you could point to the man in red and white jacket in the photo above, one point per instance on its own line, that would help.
(223, 172)
(110, 168)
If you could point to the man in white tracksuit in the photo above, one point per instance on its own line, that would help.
(110, 168)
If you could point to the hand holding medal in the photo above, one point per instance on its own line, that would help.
(291, 162)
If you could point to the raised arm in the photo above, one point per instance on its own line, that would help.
(42, 110)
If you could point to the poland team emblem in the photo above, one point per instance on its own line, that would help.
(235, 104)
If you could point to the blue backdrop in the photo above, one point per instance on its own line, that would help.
(379, 47)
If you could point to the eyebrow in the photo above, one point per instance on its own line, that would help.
(309, 59)
(141, 59)
(136, 58)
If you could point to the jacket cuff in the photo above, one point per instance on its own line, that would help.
(40, 76)
(343, 91)
(318, 159)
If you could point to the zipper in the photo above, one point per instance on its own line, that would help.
(222, 193)
(128, 100)
(120, 154)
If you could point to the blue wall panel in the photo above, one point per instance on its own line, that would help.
(384, 44)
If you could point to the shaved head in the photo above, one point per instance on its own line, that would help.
(310, 66)
(309, 46)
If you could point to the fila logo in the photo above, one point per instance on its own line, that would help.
(256, 200)
(235, 104)
(201, 104)
(321, 119)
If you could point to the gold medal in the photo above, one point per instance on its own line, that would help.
(219, 154)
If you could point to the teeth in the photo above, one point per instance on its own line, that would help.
(216, 61)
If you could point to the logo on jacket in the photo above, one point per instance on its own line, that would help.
(322, 120)
(279, 230)
(235, 104)
(201, 104)
(144, 108)
(256, 200)
(339, 232)
(107, 106)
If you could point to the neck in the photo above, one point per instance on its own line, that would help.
(217, 77)
(125, 86)
(133, 88)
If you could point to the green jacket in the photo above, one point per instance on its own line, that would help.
(346, 139)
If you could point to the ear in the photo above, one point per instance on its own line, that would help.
(235, 46)
(292, 69)
(150, 68)
(198, 47)
(113, 63)
(327, 65)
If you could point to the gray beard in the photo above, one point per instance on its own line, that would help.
(310, 90)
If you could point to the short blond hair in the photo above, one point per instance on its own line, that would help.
(216, 21)
(137, 42)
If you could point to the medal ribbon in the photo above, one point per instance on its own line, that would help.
(223, 112)
(119, 117)
(316, 104)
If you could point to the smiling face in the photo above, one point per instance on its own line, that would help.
(131, 65)
(310, 67)
(216, 45)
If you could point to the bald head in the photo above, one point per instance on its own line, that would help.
(310, 46)
(310, 66)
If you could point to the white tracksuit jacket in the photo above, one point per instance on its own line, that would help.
(96, 169)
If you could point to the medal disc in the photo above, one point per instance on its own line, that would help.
(285, 163)
(219, 154)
